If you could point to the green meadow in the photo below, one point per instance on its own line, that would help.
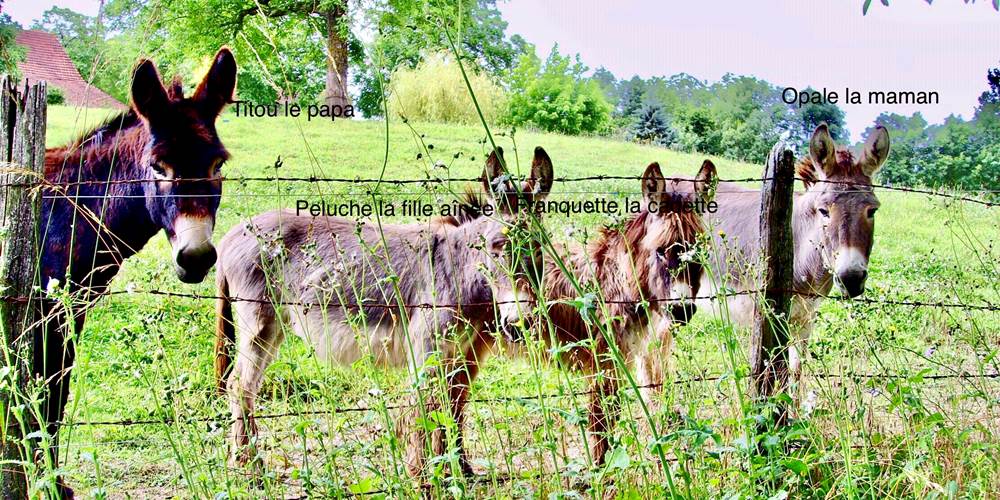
(902, 400)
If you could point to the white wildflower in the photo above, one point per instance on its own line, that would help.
(52, 286)
(810, 402)
(687, 256)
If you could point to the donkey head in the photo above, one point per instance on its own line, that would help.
(839, 204)
(183, 158)
(514, 259)
(666, 243)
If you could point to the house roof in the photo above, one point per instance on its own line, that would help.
(45, 59)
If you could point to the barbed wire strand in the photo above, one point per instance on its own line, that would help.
(434, 180)
(507, 399)
(984, 306)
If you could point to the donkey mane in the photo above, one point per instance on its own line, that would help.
(846, 167)
(106, 130)
(95, 149)
(470, 204)
(689, 224)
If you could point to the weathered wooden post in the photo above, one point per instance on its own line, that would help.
(22, 163)
(769, 338)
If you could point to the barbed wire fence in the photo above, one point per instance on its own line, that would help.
(65, 190)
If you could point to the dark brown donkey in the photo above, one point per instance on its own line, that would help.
(394, 294)
(833, 226)
(155, 167)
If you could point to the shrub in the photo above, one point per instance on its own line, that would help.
(556, 97)
(55, 96)
(435, 91)
(699, 132)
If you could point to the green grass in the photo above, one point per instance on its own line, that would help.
(145, 357)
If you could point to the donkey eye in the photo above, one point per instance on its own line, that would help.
(160, 170)
(871, 212)
(824, 212)
(497, 246)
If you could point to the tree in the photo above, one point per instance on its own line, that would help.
(555, 96)
(913, 156)
(700, 133)
(288, 49)
(10, 53)
(408, 30)
(988, 111)
(651, 126)
(633, 93)
(333, 24)
(806, 118)
(436, 91)
(677, 92)
(608, 83)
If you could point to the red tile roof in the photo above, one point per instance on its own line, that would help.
(45, 59)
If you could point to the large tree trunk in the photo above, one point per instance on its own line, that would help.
(336, 59)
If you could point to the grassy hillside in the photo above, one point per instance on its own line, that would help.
(146, 357)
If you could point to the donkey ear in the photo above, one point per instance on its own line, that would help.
(654, 187)
(497, 183)
(149, 98)
(823, 151)
(216, 89)
(875, 152)
(537, 186)
(706, 181)
(493, 170)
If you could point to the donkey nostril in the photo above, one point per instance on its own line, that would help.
(197, 260)
(853, 282)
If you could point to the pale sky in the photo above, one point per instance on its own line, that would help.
(945, 47)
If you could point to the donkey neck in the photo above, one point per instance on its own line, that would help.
(620, 271)
(456, 262)
(96, 215)
(812, 275)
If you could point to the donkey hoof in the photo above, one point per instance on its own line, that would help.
(63, 491)
(465, 468)
(246, 457)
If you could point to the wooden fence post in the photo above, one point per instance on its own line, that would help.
(769, 338)
(22, 163)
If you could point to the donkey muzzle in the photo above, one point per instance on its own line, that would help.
(852, 283)
(514, 330)
(683, 312)
(193, 264)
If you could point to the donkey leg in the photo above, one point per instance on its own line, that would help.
(604, 406)
(259, 338)
(797, 354)
(459, 385)
(53, 358)
(412, 425)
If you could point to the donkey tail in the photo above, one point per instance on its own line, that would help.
(225, 331)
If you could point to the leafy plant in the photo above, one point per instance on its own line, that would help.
(555, 96)
(55, 96)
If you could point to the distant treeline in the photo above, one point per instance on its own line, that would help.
(287, 53)
(741, 117)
